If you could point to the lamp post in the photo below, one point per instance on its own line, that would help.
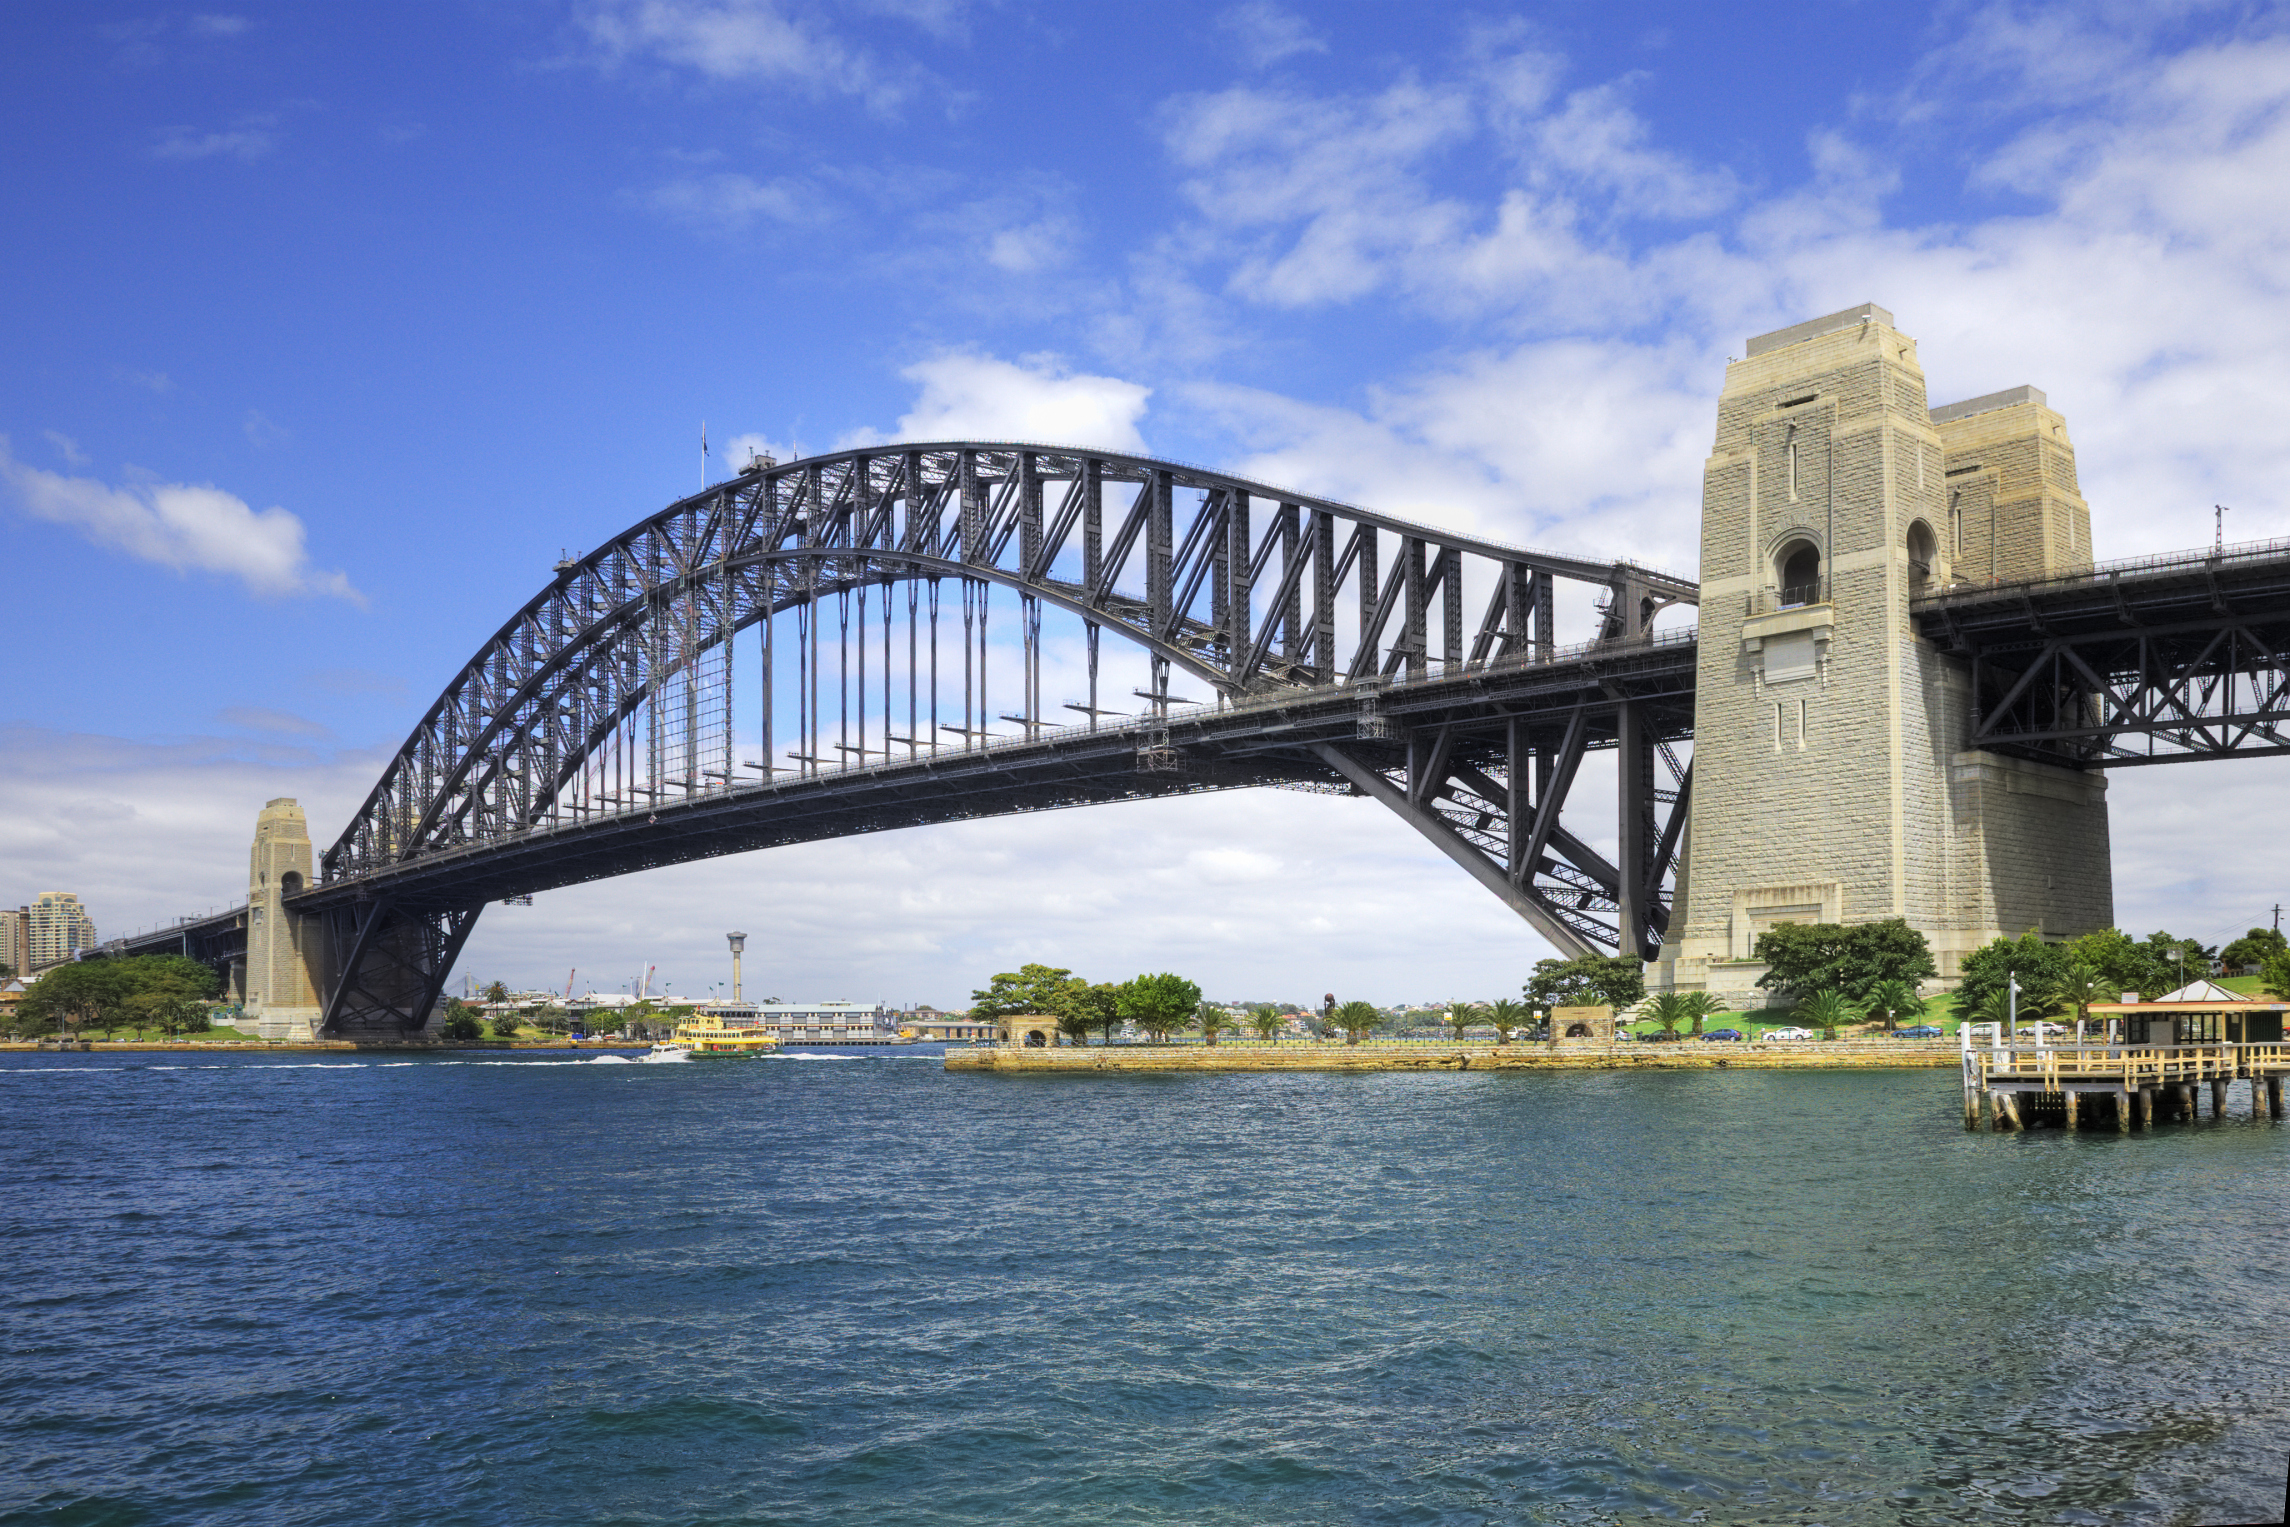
(738, 942)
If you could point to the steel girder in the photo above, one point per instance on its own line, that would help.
(492, 754)
(1482, 761)
(2165, 661)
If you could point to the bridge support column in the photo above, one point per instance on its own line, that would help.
(286, 959)
(1836, 777)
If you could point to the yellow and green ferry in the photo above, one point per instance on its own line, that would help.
(710, 1042)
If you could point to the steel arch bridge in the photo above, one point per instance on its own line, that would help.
(813, 649)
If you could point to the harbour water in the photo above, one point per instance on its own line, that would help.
(496, 1290)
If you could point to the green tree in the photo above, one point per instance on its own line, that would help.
(1264, 1017)
(2040, 967)
(1827, 1011)
(1045, 989)
(1702, 1006)
(2275, 972)
(460, 1024)
(2255, 947)
(1893, 1000)
(505, 1026)
(1588, 980)
(1669, 1009)
(1074, 1023)
(1462, 1015)
(1803, 958)
(1211, 1019)
(2081, 986)
(2178, 960)
(1158, 1004)
(167, 992)
(1101, 1005)
(2127, 964)
(1357, 1020)
(83, 995)
(496, 992)
(1508, 1015)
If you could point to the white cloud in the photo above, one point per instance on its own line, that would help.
(977, 397)
(1030, 248)
(731, 202)
(1265, 33)
(263, 432)
(150, 381)
(218, 26)
(744, 40)
(66, 447)
(251, 139)
(147, 831)
(188, 527)
(276, 723)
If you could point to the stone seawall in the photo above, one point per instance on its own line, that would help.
(1892, 1055)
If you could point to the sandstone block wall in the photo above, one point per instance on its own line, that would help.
(1830, 772)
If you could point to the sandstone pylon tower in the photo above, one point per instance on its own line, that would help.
(1831, 780)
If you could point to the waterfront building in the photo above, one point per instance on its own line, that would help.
(810, 1022)
(57, 929)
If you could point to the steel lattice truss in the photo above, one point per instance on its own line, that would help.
(619, 720)
(1247, 588)
(2170, 659)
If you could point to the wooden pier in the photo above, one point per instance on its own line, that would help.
(2102, 1085)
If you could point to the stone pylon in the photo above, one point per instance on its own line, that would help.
(285, 959)
(1831, 778)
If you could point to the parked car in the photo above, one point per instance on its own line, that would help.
(1720, 1035)
(1918, 1031)
(1661, 1036)
(1788, 1034)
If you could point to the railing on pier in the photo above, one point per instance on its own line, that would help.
(2098, 1064)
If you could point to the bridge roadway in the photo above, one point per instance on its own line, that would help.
(1378, 736)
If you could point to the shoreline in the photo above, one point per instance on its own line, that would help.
(1892, 1055)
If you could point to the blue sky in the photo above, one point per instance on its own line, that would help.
(327, 327)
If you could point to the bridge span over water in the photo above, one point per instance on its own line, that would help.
(870, 640)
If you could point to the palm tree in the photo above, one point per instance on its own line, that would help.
(1669, 1009)
(2082, 986)
(1265, 1019)
(1211, 1020)
(1703, 1005)
(1827, 1011)
(1358, 1020)
(1462, 1015)
(1891, 999)
(1508, 1014)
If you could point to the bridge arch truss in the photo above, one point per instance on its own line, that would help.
(804, 632)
